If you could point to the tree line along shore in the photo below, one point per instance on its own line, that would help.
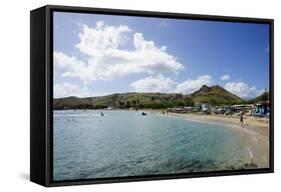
(207, 99)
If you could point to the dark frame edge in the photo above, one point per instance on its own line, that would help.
(159, 14)
(159, 177)
(271, 87)
(37, 96)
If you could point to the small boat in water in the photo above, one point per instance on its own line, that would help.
(143, 113)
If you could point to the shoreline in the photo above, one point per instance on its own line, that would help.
(254, 133)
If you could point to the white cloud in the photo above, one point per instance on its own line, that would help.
(105, 60)
(94, 41)
(68, 65)
(191, 85)
(153, 84)
(65, 90)
(242, 89)
(225, 77)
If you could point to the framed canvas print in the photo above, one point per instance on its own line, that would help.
(122, 95)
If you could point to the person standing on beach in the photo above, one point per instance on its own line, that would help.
(241, 120)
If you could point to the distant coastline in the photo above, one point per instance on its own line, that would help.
(213, 96)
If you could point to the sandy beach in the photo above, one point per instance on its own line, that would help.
(255, 133)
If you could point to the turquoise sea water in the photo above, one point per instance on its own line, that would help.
(125, 143)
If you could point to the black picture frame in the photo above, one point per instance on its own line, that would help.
(41, 93)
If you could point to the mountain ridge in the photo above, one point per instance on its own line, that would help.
(214, 95)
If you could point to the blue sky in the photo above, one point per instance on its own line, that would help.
(101, 54)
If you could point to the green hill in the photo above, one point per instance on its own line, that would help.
(124, 100)
(263, 97)
(214, 95)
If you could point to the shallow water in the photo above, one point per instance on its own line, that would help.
(125, 143)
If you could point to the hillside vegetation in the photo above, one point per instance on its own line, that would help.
(261, 98)
(214, 95)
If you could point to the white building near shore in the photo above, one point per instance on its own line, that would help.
(205, 106)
